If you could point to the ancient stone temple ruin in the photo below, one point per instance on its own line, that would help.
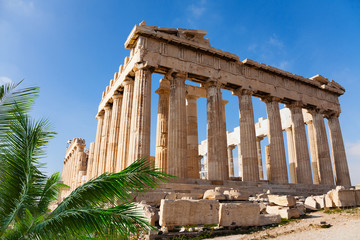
(123, 130)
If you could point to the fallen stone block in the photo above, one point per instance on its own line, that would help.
(284, 212)
(239, 214)
(236, 195)
(301, 207)
(282, 200)
(151, 198)
(149, 212)
(214, 194)
(329, 203)
(357, 197)
(320, 201)
(344, 198)
(310, 203)
(268, 219)
(188, 212)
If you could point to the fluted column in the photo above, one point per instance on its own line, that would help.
(313, 152)
(104, 139)
(216, 134)
(247, 136)
(240, 167)
(90, 163)
(341, 168)
(193, 169)
(141, 115)
(302, 158)
(276, 142)
(267, 161)
(161, 153)
(125, 124)
(323, 153)
(100, 118)
(177, 148)
(114, 133)
(291, 153)
(259, 157)
(230, 149)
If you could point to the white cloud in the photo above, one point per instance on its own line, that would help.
(18, 7)
(4, 80)
(195, 12)
(275, 41)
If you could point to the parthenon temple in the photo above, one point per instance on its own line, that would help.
(124, 113)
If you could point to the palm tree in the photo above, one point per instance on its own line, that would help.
(100, 208)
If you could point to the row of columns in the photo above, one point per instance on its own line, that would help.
(123, 131)
(123, 135)
(318, 171)
(75, 165)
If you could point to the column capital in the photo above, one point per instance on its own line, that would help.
(231, 147)
(116, 95)
(331, 114)
(172, 73)
(192, 97)
(259, 138)
(142, 66)
(127, 80)
(164, 87)
(100, 114)
(268, 99)
(242, 91)
(212, 83)
(107, 107)
(295, 104)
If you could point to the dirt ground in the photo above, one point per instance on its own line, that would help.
(340, 225)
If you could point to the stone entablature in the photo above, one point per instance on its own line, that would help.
(163, 49)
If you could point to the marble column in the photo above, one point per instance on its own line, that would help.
(141, 115)
(177, 142)
(267, 161)
(302, 158)
(291, 153)
(193, 169)
(90, 163)
(323, 153)
(313, 152)
(259, 157)
(125, 124)
(240, 161)
(104, 139)
(276, 142)
(247, 136)
(230, 149)
(112, 147)
(216, 134)
(100, 118)
(341, 169)
(161, 153)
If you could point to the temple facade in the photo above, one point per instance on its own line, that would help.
(124, 112)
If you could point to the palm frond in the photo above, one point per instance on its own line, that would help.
(9, 96)
(21, 180)
(140, 176)
(50, 192)
(120, 220)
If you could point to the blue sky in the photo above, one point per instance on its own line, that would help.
(71, 49)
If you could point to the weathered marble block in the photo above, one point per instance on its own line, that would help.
(188, 212)
(267, 219)
(282, 200)
(239, 214)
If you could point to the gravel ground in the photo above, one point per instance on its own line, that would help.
(343, 225)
